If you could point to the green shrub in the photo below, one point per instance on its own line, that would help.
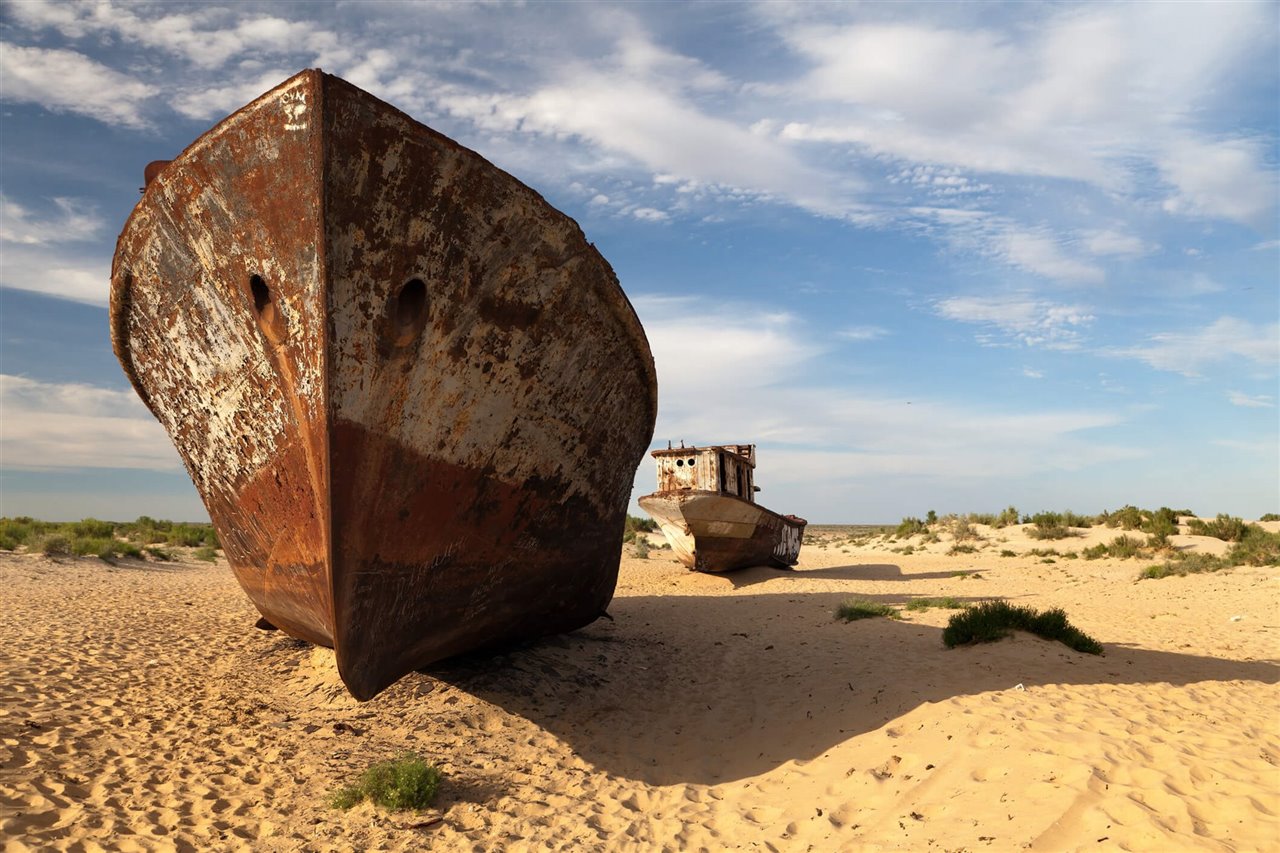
(947, 603)
(642, 548)
(409, 782)
(931, 517)
(856, 608)
(160, 554)
(1271, 516)
(55, 545)
(644, 525)
(18, 531)
(1007, 553)
(1127, 517)
(91, 528)
(209, 555)
(988, 621)
(1256, 547)
(1123, 546)
(1009, 516)
(961, 549)
(1187, 564)
(910, 527)
(1224, 527)
(1051, 525)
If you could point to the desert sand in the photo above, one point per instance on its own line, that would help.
(140, 710)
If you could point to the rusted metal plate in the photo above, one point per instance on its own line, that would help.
(705, 507)
(410, 393)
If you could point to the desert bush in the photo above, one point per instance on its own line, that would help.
(91, 528)
(1224, 527)
(962, 530)
(1122, 546)
(208, 554)
(20, 531)
(910, 527)
(408, 782)
(986, 518)
(1256, 547)
(1127, 517)
(157, 553)
(931, 517)
(1049, 525)
(643, 548)
(1270, 516)
(644, 525)
(1188, 564)
(988, 621)
(947, 603)
(55, 545)
(1005, 552)
(857, 608)
(961, 549)
(1007, 517)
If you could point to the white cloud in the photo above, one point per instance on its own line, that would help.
(74, 221)
(1030, 321)
(1261, 401)
(48, 426)
(1032, 373)
(66, 81)
(1190, 352)
(211, 102)
(728, 373)
(1039, 253)
(56, 272)
(1227, 178)
(1116, 244)
(862, 333)
(649, 214)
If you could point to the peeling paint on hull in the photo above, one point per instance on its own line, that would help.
(410, 393)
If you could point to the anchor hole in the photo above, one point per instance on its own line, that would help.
(409, 311)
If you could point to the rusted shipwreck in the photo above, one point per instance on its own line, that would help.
(706, 508)
(410, 393)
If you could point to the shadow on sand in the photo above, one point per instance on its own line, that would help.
(711, 689)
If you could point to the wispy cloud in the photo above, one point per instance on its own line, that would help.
(1189, 352)
(728, 374)
(1029, 321)
(862, 333)
(1260, 401)
(50, 426)
(67, 81)
(71, 221)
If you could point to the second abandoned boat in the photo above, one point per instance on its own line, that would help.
(410, 393)
(705, 506)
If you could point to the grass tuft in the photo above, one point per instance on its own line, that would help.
(988, 621)
(857, 608)
(946, 603)
(408, 782)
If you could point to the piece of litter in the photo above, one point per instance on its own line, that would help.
(1018, 687)
(1236, 618)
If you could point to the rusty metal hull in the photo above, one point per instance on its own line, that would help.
(410, 393)
(712, 532)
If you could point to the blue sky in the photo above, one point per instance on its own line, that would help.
(948, 256)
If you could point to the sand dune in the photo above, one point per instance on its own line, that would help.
(140, 710)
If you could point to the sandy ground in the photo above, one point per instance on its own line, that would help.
(139, 710)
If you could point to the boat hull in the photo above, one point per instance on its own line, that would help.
(712, 532)
(410, 393)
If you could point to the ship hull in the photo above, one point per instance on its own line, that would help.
(410, 393)
(712, 532)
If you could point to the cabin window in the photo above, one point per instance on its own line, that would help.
(680, 463)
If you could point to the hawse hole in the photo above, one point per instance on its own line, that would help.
(409, 311)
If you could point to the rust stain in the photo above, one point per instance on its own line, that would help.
(410, 393)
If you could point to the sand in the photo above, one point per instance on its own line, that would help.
(140, 710)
